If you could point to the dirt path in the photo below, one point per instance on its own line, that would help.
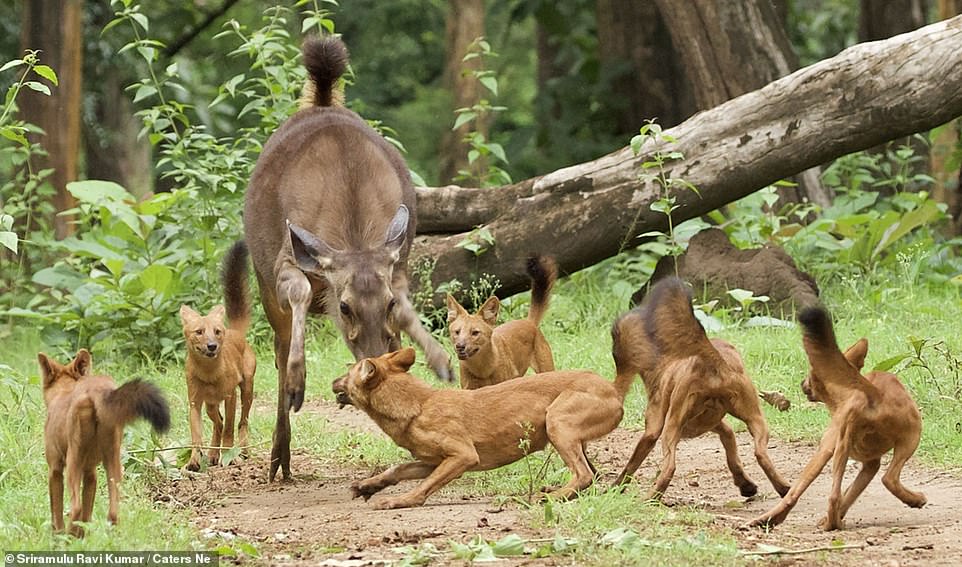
(313, 519)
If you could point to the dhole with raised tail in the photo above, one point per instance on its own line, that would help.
(870, 416)
(692, 383)
(329, 218)
(220, 362)
(489, 354)
(86, 415)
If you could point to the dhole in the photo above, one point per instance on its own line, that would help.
(692, 383)
(870, 416)
(490, 355)
(86, 415)
(219, 362)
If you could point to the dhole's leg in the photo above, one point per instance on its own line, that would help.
(410, 323)
(833, 518)
(780, 511)
(89, 493)
(680, 406)
(114, 475)
(892, 477)
(213, 412)
(543, 360)
(55, 488)
(196, 433)
(247, 399)
(449, 469)
(727, 438)
(654, 423)
(865, 476)
(390, 477)
(749, 412)
(230, 414)
(567, 424)
(74, 478)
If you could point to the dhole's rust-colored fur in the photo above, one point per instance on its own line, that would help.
(329, 217)
(450, 432)
(490, 355)
(86, 415)
(870, 416)
(219, 362)
(692, 383)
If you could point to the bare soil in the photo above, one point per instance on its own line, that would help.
(313, 519)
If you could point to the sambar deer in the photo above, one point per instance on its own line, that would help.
(329, 217)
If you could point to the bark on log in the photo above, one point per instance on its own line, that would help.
(867, 94)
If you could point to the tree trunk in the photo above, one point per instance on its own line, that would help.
(948, 184)
(583, 214)
(731, 48)
(55, 28)
(881, 19)
(465, 23)
(635, 47)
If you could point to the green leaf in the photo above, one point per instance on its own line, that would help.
(39, 87)
(157, 277)
(490, 83)
(95, 191)
(47, 73)
(497, 150)
(890, 362)
(508, 546)
(11, 64)
(10, 133)
(144, 91)
(140, 19)
(229, 455)
(9, 240)
(59, 277)
(462, 119)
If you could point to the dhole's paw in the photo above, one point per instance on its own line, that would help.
(827, 526)
(767, 521)
(359, 488)
(918, 502)
(213, 458)
(394, 503)
(193, 465)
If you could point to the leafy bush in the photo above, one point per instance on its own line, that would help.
(133, 263)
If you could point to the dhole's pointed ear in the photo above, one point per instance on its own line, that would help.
(489, 311)
(454, 308)
(82, 362)
(856, 354)
(217, 311)
(397, 232)
(187, 314)
(48, 369)
(310, 252)
(368, 372)
(402, 359)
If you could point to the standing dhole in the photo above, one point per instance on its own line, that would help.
(86, 415)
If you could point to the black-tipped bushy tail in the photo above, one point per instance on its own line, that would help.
(817, 327)
(138, 398)
(325, 60)
(543, 272)
(236, 292)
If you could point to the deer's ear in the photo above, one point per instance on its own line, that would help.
(312, 254)
(397, 232)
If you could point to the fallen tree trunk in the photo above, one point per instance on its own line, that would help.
(866, 95)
